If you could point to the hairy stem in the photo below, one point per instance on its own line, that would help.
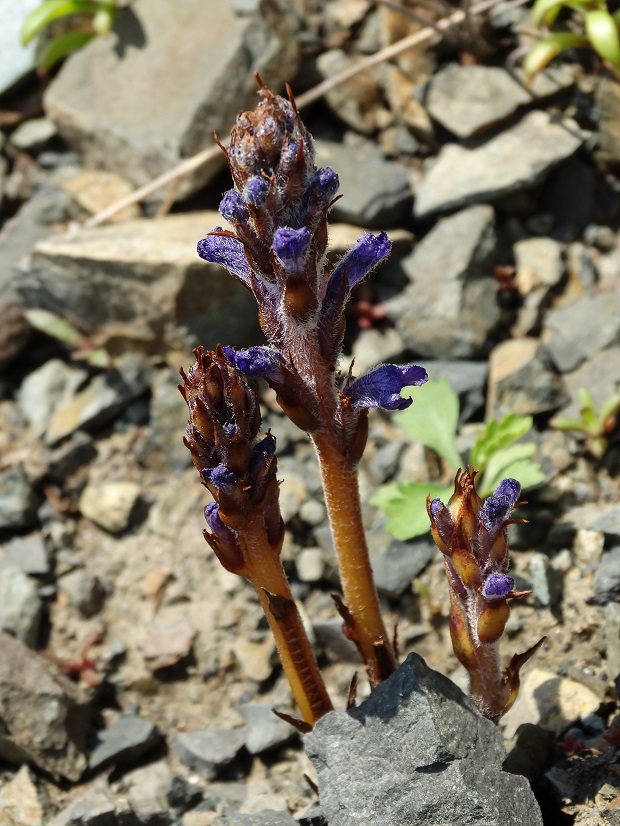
(265, 573)
(344, 510)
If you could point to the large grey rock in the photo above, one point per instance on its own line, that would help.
(17, 60)
(522, 380)
(375, 193)
(148, 96)
(515, 160)
(124, 742)
(540, 268)
(468, 100)
(265, 731)
(580, 330)
(416, 752)
(450, 307)
(142, 276)
(43, 718)
(208, 751)
(20, 605)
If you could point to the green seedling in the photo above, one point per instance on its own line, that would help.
(597, 30)
(93, 17)
(496, 454)
(81, 347)
(595, 426)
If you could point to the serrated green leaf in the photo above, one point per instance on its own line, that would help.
(54, 326)
(405, 506)
(498, 435)
(543, 52)
(62, 46)
(497, 468)
(602, 32)
(433, 419)
(43, 15)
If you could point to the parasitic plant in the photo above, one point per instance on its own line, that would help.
(278, 208)
(471, 534)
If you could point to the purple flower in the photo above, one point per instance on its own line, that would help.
(325, 182)
(216, 526)
(220, 477)
(291, 248)
(500, 504)
(233, 207)
(256, 190)
(257, 362)
(227, 251)
(369, 250)
(381, 387)
(497, 586)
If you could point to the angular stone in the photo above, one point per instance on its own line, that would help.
(93, 190)
(115, 121)
(599, 516)
(19, 800)
(18, 501)
(599, 374)
(82, 591)
(515, 160)
(522, 381)
(539, 268)
(468, 100)
(265, 818)
(170, 640)
(396, 563)
(265, 731)
(20, 605)
(208, 751)
(149, 788)
(580, 330)
(421, 754)
(28, 553)
(450, 306)
(607, 577)
(92, 808)
(47, 388)
(124, 742)
(110, 504)
(379, 198)
(33, 134)
(163, 448)
(153, 281)
(43, 718)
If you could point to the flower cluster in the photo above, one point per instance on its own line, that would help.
(471, 534)
(278, 208)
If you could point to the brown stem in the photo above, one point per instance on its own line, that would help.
(487, 687)
(344, 510)
(264, 571)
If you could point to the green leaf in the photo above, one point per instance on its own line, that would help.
(543, 52)
(610, 406)
(433, 419)
(405, 506)
(54, 326)
(497, 468)
(51, 10)
(566, 423)
(497, 435)
(527, 473)
(585, 398)
(62, 46)
(602, 31)
(103, 21)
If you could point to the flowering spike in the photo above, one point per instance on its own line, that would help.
(471, 534)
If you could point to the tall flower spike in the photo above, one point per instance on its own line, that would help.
(471, 534)
(245, 528)
(278, 208)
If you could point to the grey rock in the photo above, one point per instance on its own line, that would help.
(376, 346)
(612, 638)
(100, 401)
(599, 374)
(94, 807)
(33, 134)
(385, 462)
(47, 388)
(546, 582)
(516, 160)
(522, 380)
(28, 553)
(110, 505)
(163, 448)
(115, 121)
(578, 331)
(603, 517)
(124, 742)
(83, 591)
(395, 563)
(468, 100)
(153, 281)
(355, 103)
(148, 792)
(265, 818)
(18, 501)
(337, 647)
(265, 731)
(425, 753)
(608, 105)
(17, 60)
(20, 605)
(208, 751)
(450, 307)
(540, 268)
(607, 577)
(380, 197)
(310, 564)
(73, 454)
(43, 718)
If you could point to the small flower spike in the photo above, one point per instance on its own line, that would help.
(244, 527)
(278, 208)
(471, 534)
